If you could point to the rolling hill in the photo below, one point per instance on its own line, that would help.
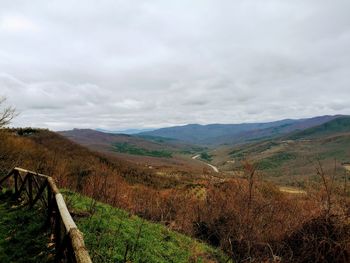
(114, 233)
(51, 153)
(336, 126)
(154, 152)
(169, 150)
(214, 211)
(127, 131)
(104, 141)
(291, 157)
(218, 134)
(109, 232)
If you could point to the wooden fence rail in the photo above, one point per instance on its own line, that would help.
(69, 242)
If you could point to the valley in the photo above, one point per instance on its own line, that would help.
(155, 153)
(287, 157)
(201, 197)
(174, 131)
(215, 169)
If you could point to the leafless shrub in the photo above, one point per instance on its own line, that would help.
(7, 113)
(251, 220)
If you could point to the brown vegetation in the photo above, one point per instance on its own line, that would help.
(248, 218)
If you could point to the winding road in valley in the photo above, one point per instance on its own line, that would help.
(215, 169)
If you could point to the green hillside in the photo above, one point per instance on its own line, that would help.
(292, 158)
(23, 236)
(133, 149)
(339, 125)
(113, 235)
(110, 234)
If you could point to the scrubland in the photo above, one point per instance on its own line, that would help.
(248, 218)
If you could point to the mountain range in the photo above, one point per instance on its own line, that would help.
(275, 145)
(126, 131)
(231, 134)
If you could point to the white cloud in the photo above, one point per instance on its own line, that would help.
(17, 24)
(120, 64)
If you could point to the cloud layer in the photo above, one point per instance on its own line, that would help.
(126, 64)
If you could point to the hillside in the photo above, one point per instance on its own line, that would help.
(127, 131)
(22, 236)
(110, 234)
(292, 158)
(217, 134)
(104, 141)
(336, 126)
(232, 214)
(162, 154)
(113, 235)
(50, 153)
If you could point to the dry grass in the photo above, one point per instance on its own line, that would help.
(292, 190)
(250, 219)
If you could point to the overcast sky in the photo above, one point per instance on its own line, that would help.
(139, 64)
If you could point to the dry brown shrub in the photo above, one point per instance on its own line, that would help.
(248, 218)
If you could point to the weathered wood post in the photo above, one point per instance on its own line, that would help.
(57, 222)
(69, 242)
(16, 183)
(30, 189)
(49, 204)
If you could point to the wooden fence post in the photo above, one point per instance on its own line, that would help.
(16, 183)
(30, 190)
(57, 220)
(49, 204)
(69, 242)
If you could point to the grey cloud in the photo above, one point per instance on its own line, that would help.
(123, 64)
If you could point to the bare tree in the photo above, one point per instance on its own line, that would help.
(7, 113)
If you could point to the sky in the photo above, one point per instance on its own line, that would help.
(115, 64)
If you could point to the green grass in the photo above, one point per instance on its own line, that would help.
(132, 149)
(337, 148)
(276, 160)
(157, 139)
(23, 237)
(113, 235)
(239, 153)
(338, 154)
(206, 156)
(187, 152)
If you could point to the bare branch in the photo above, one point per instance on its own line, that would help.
(6, 114)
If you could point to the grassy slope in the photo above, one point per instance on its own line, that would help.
(50, 153)
(339, 125)
(22, 236)
(105, 141)
(113, 235)
(132, 149)
(285, 161)
(166, 155)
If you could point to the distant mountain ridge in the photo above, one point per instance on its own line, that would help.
(102, 140)
(335, 126)
(293, 155)
(126, 131)
(107, 142)
(217, 134)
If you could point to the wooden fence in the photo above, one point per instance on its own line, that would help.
(69, 242)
